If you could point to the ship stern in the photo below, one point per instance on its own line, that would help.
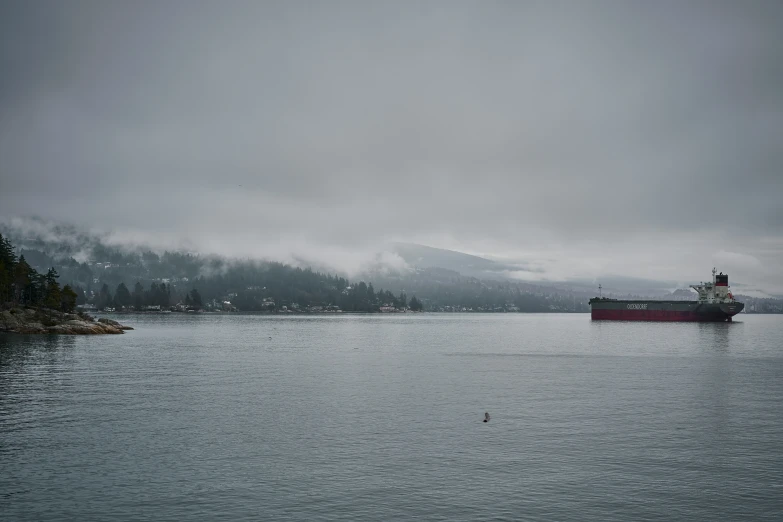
(732, 309)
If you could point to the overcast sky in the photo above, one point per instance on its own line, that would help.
(583, 137)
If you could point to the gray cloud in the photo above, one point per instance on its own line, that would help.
(539, 130)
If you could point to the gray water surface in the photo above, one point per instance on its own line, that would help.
(249, 417)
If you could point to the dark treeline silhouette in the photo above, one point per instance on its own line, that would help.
(157, 295)
(167, 279)
(132, 280)
(250, 287)
(20, 284)
(271, 286)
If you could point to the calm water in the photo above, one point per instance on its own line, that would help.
(379, 418)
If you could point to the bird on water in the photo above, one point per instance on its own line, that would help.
(486, 417)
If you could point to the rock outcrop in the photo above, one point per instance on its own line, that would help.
(43, 320)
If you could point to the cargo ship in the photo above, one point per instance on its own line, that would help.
(715, 303)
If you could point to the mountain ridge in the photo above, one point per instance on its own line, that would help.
(64, 241)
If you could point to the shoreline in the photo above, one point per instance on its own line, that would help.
(30, 320)
(324, 312)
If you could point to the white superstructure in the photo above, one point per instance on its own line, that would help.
(715, 292)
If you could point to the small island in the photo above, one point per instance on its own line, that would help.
(32, 303)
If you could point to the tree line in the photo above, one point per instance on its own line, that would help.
(270, 286)
(158, 294)
(303, 289)
(20, 284)
(138, 280)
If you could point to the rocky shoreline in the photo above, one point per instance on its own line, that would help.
(46, 321)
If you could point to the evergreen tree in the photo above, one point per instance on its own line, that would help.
(80, 295)
(122, 296)
(7, 253)
(415, 304)
(195, 298)
(104, 298)
(151, 295)
(38, 289)
(67, 299)
(158, 294)
(5, 283)
(7, 263)
(138, 296)
(53, 295)
(22, 281)
(164, 295)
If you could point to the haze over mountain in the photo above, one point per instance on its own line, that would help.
(420, 256)
(396, 265)
(564, 142)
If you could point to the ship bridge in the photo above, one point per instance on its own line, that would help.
(715, 292)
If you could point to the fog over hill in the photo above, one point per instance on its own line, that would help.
(400, 267)
(420, 256)
(568, 142)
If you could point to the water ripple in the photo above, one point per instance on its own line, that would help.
(363, 418)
